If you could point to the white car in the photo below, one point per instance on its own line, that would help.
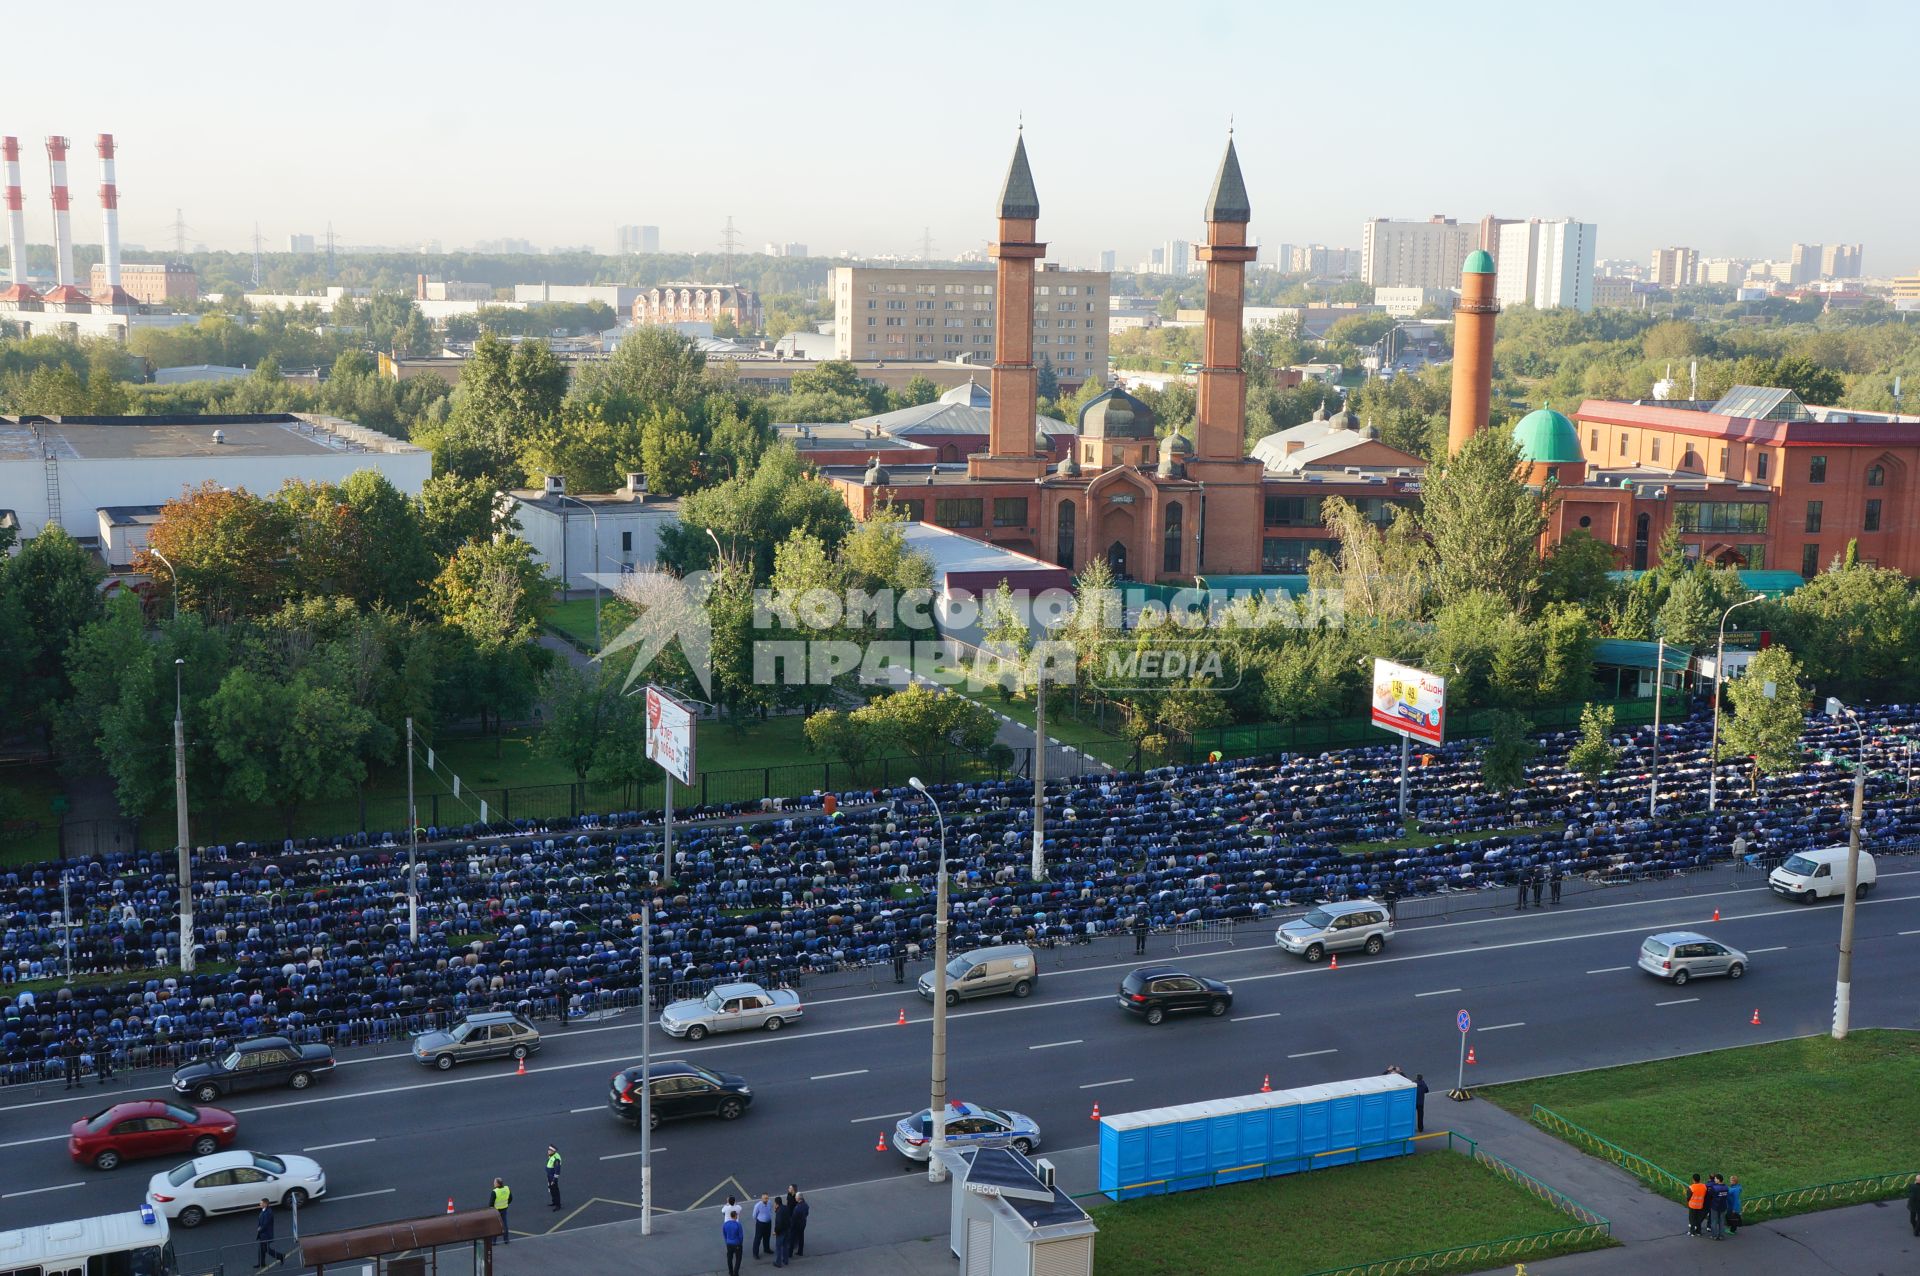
(229, 1182)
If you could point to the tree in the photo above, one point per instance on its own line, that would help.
(1594, 756)
(651, 370)
(1007, 639)
(670, 454)
(1578, 570)
(285, 744)
(876, 556)
(1508, 748)
(591, 453)
(1858, 629)
(1485, 524)
(589, 718)
(753, 512)
(454, 511)
(1768, 705)
(1381, 577)
(1360, 330)
(835, 733)
(53, 588)
(831, 391)
(924, 723)
(228, 546)
(492, 595)
(1696, 603)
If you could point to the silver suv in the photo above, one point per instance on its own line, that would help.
(493, 1034)
(1680, 955)
(1355, 924)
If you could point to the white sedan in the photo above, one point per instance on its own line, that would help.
(229, 1182)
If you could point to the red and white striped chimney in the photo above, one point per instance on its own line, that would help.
(109, 209)
(62, 217)
(16, 212)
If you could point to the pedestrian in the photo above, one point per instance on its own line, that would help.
(899, 962)
(1420, 1102)
(800, 1211)
(1557, 875)
(731, 1208)
(1520, 901)
(566, 1001)
(263, 1237)
(1717, 1206)
(1733, 1207)
(762, 1227)
(1696, 1206)
(1539, 884)
(782, 1231)
(1391, 897)
(1913, 1203)
(72, 1052)
(553, 1177)
(1139, 934)
(730, 1234)
(1740, 850)
(503, 1197)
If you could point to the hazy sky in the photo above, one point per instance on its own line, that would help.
(1732, 127)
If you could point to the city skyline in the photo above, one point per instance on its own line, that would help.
(462, 166)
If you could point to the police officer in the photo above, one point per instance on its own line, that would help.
(1557, 875)
(1539, 884)
(553, 1177)
(1139, 934)
(1520, 902)
(503, 1197)
(899, 962)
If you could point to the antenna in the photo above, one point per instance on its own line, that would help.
(731, 244)
(256, 254)
(926, 243)
(180, 229)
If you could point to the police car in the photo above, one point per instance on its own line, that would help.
(968, 1126)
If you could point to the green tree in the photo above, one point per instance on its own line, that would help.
(53, 586)
(1578, 570)
(918, 389)
(754, 512)
(1594, 756)
(1691, 615)
(587, 713)
(492, 596)
(925, 723)
(836, 734)
(1485, 524)
(454, 511)
(286, 743)
(1507, 750)
(1768, 705)
(1379, 577)
(228, 546)
(670, 454)
(651, 370)
(1006, 638)
(1858, 629)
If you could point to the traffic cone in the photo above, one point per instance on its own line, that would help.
(521, 1071)
(1334, 962)
(880, 1144)
(1265, 1085)
(1716, 914)
(1096, 1111)
(1470, 1058)
(449, 1205)
(1756, 1016)
(901, 1022)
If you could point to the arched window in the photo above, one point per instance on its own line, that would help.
(1171, 553)
(1876, 476)
(1064, 547)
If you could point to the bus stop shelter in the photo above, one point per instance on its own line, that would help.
(458, 1244)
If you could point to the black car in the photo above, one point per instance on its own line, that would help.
(1154, 992)
(254, 1064)
(680, 1089)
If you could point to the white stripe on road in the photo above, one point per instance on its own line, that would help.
(1778, 948)
(322, 1147)
(1910, 932)
(1048, 1045)
(385, 1191)
(1682, 1002)
(615, 1156)
(1498, 1026)
(1608, 970)
(35, 1191)
(884, 1116)
(828, 1076)
(1308, 1054)
(576, 1111)
(1438, 992)
(1095, 1085)
(1271, 1014)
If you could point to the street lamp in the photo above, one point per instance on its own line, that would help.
(1719, 677)
(1843, 981)
(936, 1172)
(174, 572)
(594, 514)
(180, 819)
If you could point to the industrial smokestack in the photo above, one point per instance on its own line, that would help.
(109, 209)
(16, 212)
(62, 217)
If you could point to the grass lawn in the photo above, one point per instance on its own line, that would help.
(27, 796)
(40, 987)
(574, 618)
(1064, 727)
(1783, 1115)
(1413, 840)
(1304, 1223)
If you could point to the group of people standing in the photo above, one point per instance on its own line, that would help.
(779, 1228)
(1713, 1205)
(1539, 879)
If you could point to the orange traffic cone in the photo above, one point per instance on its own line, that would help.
(1265, 1085)
(1756, 1016)
(1096, 1111)
(1470, 1058)
(1716, 914)
(880, 1144)
(521, 1071)
(449, 1205)
(1334, 962)
(901, 1022)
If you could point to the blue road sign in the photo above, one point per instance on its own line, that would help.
(1466, 1021)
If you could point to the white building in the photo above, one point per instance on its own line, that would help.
(68, 471)
(1405, 303)
(620, 296)
(1425, 254)
(574, 536)
(298, 243)
(1546, 264)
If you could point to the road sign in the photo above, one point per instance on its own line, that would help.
(1465, 1021)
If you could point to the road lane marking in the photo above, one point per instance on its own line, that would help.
(1048, 1045)
(35, 1191)
(1910, 932)
(1438, 992)
(1682, 1002)
(1271, 1014)
(1608, 970)
(385, 1191)
(615, 1156)
(1308, 1054)
(1777, 948)
(322, 1147)
(885, 1116)
(576, 1111)
(1095, 1085)
(1498, 1026)
(828, 1076)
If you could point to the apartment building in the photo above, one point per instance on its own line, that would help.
(1415, 254)
(912, 315)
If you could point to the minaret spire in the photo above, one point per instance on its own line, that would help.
(1220, 418)
(1011, 450)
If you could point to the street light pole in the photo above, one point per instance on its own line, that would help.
(181, 836)
(937, 1107)
(594, 514)
(174, 572)
(1843, 981)
(1719, 677)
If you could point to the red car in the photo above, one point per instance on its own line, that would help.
(149, 1127)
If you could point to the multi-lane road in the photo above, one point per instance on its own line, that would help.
(1549, 991)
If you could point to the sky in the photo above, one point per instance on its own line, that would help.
(1734, 128)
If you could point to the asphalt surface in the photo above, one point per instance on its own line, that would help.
(1549, 991)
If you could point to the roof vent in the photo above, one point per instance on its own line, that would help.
(1044, 1168)
(556, 485)
(219, 437)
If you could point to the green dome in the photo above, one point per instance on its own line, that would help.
(1547, 438)
(1479, 262)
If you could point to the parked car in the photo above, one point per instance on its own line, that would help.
(731, 1008)
(968, 1126)
(1680, 955)
(680, 1089)
(1356, 924)
(985, 972)
(492, 1034)
(148, 1127)
(1154, 992)
(254, 1064)
(230, 1182)
(1821, 874)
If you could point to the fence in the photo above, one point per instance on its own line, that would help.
(1659, 1179)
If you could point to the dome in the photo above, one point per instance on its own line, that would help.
(1547, 438)
(1068, 467)
(1176, 443)
(1319, 413)
(876, 473)
(1479, 262)
(1344, 419)
(972, 394)
(1116, 415)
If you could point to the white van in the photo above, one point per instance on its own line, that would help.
(1820, 874)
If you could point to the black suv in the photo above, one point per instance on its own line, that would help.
(254, 1065)
(1154, 992)
(680, 1089)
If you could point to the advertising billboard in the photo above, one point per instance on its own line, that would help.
(1409, 702)
(670, 734)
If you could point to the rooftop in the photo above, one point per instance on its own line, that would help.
(568, 505)
(1822, 426)
(104, 438)
(131, 515)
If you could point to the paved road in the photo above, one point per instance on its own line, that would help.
(1549, 991)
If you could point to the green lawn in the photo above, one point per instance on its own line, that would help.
(574, 618)
(1062, 726)
(1303, 1223)
(1413, 840)
(39, 987)
(1783, 1115)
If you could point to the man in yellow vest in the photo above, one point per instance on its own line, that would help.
(502, 1197)
(553, 1177)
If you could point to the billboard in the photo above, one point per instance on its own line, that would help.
(670, 734)
(1409, 702)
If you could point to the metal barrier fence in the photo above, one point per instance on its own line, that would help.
(1658, 1178)
(1194, 934)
